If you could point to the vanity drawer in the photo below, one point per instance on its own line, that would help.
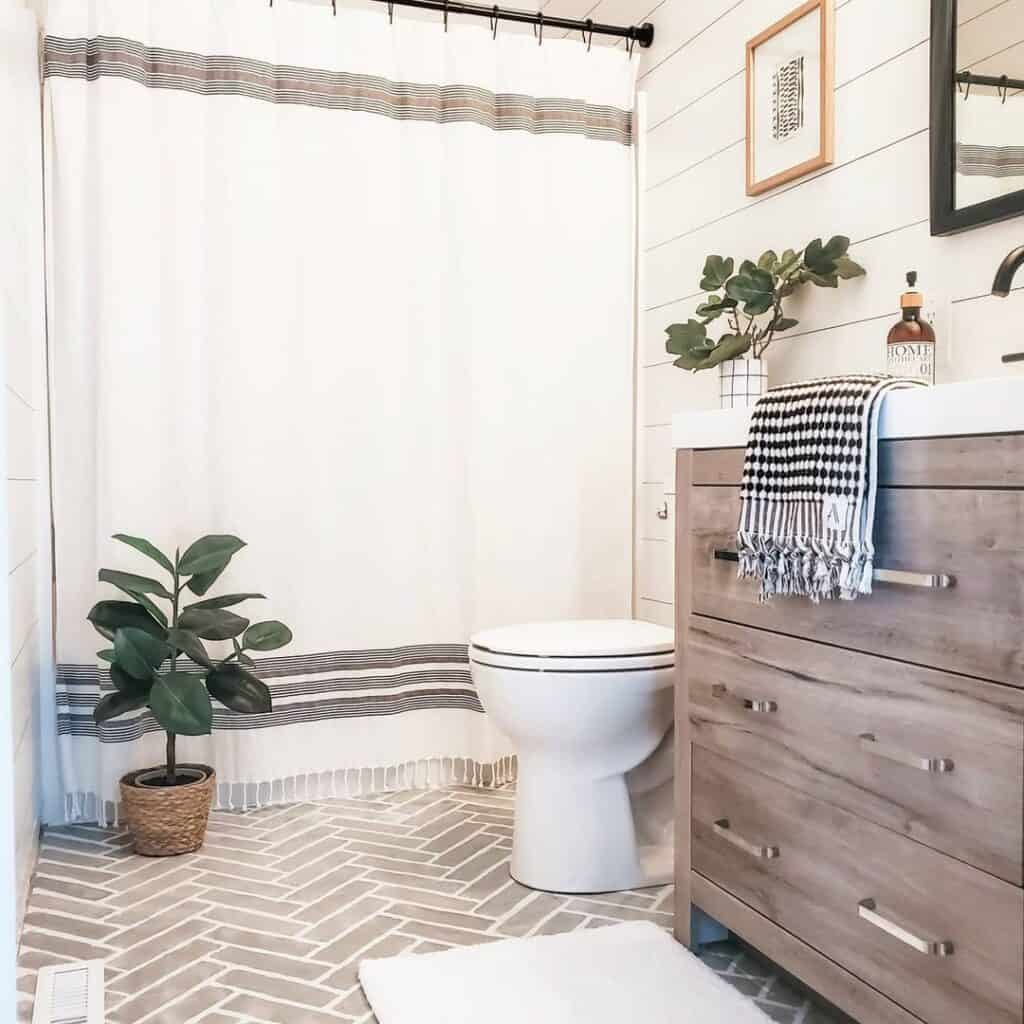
(878, 904)
(975, 627)
(937, 757)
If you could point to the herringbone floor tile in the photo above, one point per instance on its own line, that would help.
(268, 922)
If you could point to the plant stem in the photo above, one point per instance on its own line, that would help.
(172, 760)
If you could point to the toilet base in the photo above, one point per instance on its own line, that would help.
(577, 836)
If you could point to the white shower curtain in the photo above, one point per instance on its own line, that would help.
(989, 147)
(362, 294)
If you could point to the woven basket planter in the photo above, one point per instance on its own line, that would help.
(167, 821)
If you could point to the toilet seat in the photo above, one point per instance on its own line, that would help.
(575, 647)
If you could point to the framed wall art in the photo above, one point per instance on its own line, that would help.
(790, 97)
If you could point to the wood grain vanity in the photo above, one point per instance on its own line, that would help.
(850, 778)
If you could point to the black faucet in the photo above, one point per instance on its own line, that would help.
(1001, 287)
(1004, 275)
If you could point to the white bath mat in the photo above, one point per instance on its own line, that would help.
(625, 972)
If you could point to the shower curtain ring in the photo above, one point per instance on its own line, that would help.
(446, 15)
(538, 29)
(630, 43)
(334, 7)
(588, 33)
(494, 22)
(1004, 87)
(391, 13)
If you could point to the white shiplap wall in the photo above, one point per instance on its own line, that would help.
(21, 334)
(876, 192)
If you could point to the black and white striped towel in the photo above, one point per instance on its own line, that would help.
(809, 482)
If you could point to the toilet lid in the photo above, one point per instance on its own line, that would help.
(580, 638)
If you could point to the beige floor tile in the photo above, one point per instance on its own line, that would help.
(256, 1008)
(337, 924)
(278, 988)
(161, 966)
(357, 938)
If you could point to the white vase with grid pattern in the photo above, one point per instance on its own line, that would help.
(742, 382)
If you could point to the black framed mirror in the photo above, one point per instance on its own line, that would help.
(977, 113)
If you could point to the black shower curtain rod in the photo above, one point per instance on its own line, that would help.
(638, 34)
(996, 81)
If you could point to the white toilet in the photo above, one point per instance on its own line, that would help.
(588, 707)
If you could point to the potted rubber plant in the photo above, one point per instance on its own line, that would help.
(750, 299)
(166, 808)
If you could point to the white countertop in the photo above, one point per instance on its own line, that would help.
(990, 406)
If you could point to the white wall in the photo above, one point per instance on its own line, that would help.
(21, 401)
(876, 192)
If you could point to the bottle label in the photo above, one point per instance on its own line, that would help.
(912, 359)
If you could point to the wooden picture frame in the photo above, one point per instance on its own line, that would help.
(824, 97)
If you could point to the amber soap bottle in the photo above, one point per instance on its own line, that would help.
(910, 349)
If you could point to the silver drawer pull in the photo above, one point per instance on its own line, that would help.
(869, 912)
(722, 829)
(870, 745)
(936, 581)
(764, 707)
(930, 580)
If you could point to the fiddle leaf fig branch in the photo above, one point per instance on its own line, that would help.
(144, 637)
(750, 300)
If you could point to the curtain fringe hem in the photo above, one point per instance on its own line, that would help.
(428, 773)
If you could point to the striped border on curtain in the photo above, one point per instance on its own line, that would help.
(990, 161)
(216, 75)
(305, 688)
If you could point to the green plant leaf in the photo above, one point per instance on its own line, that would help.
(243, 659)
(132, 584)
(836, 246)
(212, 623)
(106, 655)
(188, 643)
(141, 598)
(730, 346)
(847, 268)
(181, 704)
(209, 553)
(143, 545)
(822, 280)
(153, 609)
(755, 289)
(202, 581)
(783, 323)
(124, 683)
(716, 272)
(789, 263)
(239, 690)
(117, 703)
(821, 259)
(225, 601)
(714, 307)
(138, 652)
(769, 260)
(689, 341)
(266, 636)
(689, 337)
(108, 616)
